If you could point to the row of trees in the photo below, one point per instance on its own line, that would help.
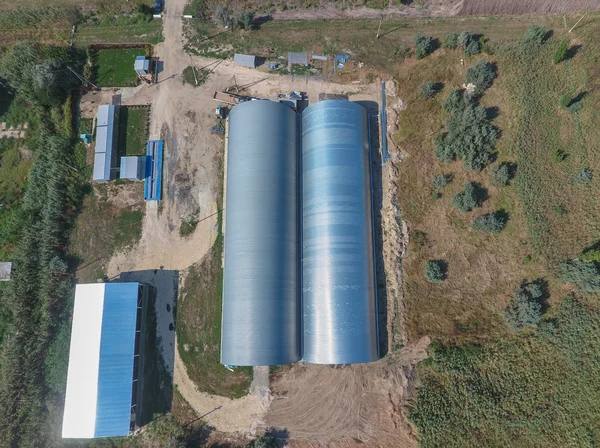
(42, 285)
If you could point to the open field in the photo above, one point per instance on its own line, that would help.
(133, 130)
(115, 67)
(145, 33)
(110, 220)
(355, 37)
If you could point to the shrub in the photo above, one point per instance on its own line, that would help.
(470, 137)
(559, 210)
(584, 276)
(424, 46)
(436, 195)
(558, 155)
(451, 41)
(500, 175)
(473, 48)
(481, 74)
(560, 53)
(441, 180)
(402, 52)
(524, 310)
(583, 176)
(435, 271)
(565, 100)
(492, 223)
(533, 39)
(419, 239)
(469, 45)
(467, 199)
(575, 107)
(591, 256)
(427, 90)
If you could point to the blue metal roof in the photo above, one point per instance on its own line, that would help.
(117, 347)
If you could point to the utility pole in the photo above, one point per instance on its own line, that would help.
(193, 69)
(379, 29)
(565, 21)
(82, 79)
(578, 22)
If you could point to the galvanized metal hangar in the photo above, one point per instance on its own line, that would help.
(299, 275)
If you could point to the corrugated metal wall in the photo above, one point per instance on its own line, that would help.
(261, 315)
(338, 290)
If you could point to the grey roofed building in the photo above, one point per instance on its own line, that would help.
(298, 57)
(244, 60)
(105, 156)
(261, 299)
(132, 167)
(5, 271)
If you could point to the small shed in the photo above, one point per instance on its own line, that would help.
(133, 168)
(298, 57)
(244, 60)
(142, 65)
(5, 271)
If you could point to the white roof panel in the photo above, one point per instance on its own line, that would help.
(106, 115)
(84, 360)
(102, 166)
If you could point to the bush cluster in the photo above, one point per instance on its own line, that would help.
(500, 175)
(423, 46)
(492, 222)
(470, 137)
(533, 39)
(585, 276)
(464, 40)
(525, 309)
(481, 74)
(441, 180)
(243, 20)
(435, 271)
(467, 199)
(428, 90)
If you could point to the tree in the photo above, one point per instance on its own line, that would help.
(467, 42)
(424, 46)
(492, 222)
(565, 100)
(246, 20)
(500, 175)
(467, 199)
(470, 137)
(441, 180)
(451, 41)
(525, 310)
(428, 90)
(481, 74)
(560, 53)
(533, 39)
(223, 16)
(264, 441)
(585, 276)
(591, 256)
(435, 271)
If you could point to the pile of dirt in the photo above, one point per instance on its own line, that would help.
(516, 7)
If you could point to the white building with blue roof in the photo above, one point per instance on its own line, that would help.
(104, 360)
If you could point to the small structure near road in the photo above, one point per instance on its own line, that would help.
(244, 60)
(142, 65)
(298, 57)
(103, 398)
(5, 271)
(105, 153)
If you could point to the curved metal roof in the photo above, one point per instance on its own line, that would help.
(338, 287)
(261, 318)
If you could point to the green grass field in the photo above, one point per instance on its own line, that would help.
(133, 130)
(115, 67)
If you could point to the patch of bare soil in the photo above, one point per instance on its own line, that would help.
(347, 406)
(516, 7)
